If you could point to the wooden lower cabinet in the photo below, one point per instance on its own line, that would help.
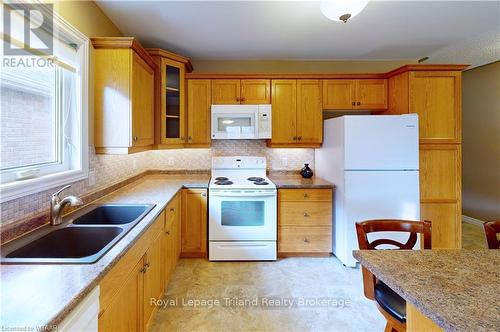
(440, 193)
(304, 222)
(153, 287)
(124, 312)
(194, 223)
(171, 240)
(141, 275)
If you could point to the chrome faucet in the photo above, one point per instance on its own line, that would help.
(57, 205)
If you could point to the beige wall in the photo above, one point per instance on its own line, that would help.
(481, 142)
(87, 17)
(290, 66)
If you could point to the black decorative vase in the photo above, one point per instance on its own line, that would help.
(306, 172)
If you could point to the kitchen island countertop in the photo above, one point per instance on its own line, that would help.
(456, 289)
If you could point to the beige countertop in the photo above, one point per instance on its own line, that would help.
(288, 180)
(457, 289)
(42, 295)
(36, 295)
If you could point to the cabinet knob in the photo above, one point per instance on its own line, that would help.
(136, 138)
(306, 215)
(294, 138)
(299, 138)
(168, 232)
(172, 209)
(353, 103)
(358, 103)
(143, 270)
(146, 265)
(237, 99)
(189, 138)
(306, 240)
(306, 195)
(182, 138)
(203, 194)
(242, 99)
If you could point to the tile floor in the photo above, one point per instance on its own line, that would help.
(291, 279)
(473, 236)
(298, 279)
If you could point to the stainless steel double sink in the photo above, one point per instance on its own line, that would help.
(83, 237)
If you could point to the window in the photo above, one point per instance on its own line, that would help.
(43, 117)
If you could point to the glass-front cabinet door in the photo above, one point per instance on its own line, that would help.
(173, 110)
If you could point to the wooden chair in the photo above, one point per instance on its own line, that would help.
(389, 303)
(491, 229)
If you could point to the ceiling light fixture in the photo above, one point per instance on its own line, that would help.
(342, 10)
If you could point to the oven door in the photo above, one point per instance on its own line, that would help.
(242, 215)
(234, 125)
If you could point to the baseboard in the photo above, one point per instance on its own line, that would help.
(472, 221)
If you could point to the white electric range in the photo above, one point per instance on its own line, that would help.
(242, 210)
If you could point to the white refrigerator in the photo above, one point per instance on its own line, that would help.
(373, 162)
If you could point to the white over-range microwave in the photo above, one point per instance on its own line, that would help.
(241, 121)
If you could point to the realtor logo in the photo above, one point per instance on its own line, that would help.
(28, 28)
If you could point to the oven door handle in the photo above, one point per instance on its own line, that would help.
(242, 194)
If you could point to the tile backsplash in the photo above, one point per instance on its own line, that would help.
(109, 169)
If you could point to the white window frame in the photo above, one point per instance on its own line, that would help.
(21, 188)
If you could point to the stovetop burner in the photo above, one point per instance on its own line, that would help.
(221, 178)
(261, 183)
(255, 179)
(223, 182)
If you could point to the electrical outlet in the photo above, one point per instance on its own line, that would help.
(170, 161)
(92, 177)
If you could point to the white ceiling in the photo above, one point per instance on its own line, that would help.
(297, 30)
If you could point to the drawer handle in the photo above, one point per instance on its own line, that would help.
(306, 215)
(203, 194)
(306, 240)
(306, 195)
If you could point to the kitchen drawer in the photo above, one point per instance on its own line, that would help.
(304, 239)
(305, 213)
(305, 195)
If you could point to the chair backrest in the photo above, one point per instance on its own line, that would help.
(389, 225)
(393, 225)
(491, 228)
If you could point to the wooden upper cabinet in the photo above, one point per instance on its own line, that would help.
(236, 91)
(284, 109)
(172, 105)
(123, 96)
(142, 102)
(255, 91)
(199, 100)
(170, 98)
(226, 91)
(362, 94)
(436, 97)
(371, 94)
(339, 94)
(309, 111)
